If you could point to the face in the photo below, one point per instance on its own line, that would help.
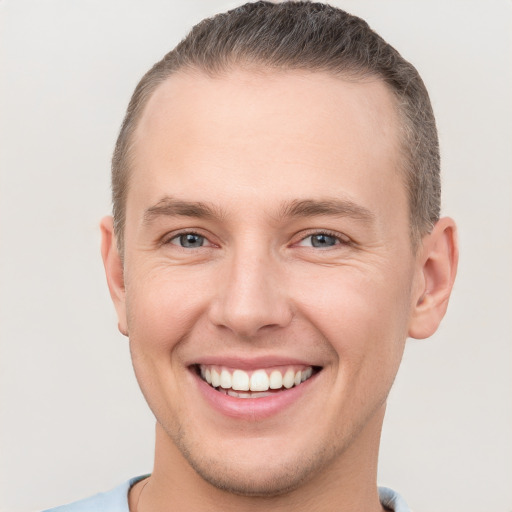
(268, 276)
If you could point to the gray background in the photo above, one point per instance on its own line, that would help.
(73, 421)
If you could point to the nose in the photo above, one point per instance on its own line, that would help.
(251, 297)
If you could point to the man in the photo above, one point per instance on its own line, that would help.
(275, 239)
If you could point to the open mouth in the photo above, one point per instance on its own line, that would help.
(258, 383)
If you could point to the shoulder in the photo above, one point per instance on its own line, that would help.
(392, 500)
(115, 500)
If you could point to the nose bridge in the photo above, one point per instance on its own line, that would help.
(251, 296)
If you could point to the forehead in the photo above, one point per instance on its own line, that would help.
(269, 99)
(306, 133)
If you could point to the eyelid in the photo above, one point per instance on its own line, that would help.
(340, 237)
(169, 237)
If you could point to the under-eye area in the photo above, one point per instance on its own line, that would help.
(255, 383)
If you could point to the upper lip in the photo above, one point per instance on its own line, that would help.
(253, 363)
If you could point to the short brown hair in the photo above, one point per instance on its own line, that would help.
(300, 36)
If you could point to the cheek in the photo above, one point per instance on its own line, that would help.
(162, 307)
(162, 310)
(363, 315)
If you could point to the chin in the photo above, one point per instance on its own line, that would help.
(262, 480)
(252, 472)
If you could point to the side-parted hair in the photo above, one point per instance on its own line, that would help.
(300, 36)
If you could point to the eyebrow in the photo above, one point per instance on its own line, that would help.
(171, 207)
(328, 207)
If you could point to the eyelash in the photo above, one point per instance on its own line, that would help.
(340, 239)
(169, 239)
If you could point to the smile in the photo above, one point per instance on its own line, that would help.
(254, 384)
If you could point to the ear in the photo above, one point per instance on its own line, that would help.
(114, 271)
(436, 269)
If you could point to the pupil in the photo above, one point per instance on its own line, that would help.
(191, 240)
(323, 241)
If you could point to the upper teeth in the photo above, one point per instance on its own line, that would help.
(258, 380)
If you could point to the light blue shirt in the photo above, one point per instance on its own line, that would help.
(116, 500)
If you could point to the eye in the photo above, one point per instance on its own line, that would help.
(320, 240)
(189, 240)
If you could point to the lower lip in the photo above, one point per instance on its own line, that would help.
(252, 408)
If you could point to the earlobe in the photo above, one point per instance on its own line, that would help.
(114, 271)
(437, 267)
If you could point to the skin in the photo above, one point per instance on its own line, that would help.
(250, 145)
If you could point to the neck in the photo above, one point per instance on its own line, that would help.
(348, 483)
